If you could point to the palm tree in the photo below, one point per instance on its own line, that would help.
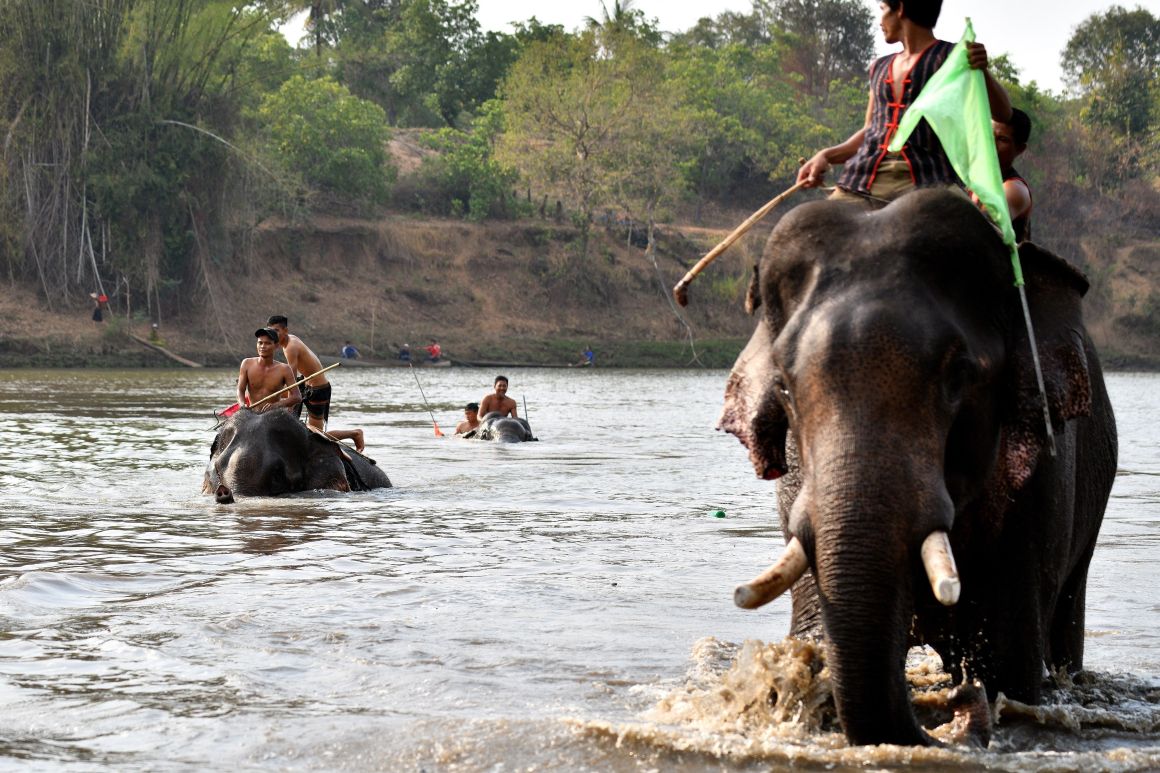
(621, 19)
(318, 11)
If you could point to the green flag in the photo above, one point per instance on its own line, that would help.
(954, 102)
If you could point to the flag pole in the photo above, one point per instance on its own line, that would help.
(1034, 348)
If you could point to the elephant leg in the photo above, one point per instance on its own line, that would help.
(1067, 624)
(1007, 654)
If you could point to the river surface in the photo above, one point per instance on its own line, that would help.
(559, 605)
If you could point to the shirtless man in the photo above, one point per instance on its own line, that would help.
(498, 401)
(317, 400)
(261, 376)
(471, 419)
(1010, 142)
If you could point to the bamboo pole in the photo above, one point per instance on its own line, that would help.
(681, 289)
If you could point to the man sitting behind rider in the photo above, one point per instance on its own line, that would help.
(317, 397)
(871, 174)
(261, 376)
(1010, 142)
(499, 401)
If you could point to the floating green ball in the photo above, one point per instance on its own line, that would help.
(719, 514)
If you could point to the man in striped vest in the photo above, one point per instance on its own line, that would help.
(872, 175)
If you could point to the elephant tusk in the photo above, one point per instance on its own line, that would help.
(775, 580)
(939, 562)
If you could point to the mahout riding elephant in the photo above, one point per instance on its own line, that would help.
(271, 452)
(890, 386)
(504, 429)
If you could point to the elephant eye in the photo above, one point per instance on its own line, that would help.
(782, 389)
(960, 376)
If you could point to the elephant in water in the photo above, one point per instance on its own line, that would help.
(505, 429)
(891, 382)
(270, 453)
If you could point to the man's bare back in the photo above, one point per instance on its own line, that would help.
(302, 359)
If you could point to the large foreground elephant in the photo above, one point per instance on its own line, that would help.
(270, 453)
(891, 382)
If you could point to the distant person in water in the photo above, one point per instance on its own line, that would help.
(434, 351)
(405, 353)
(471, 419)
(498, 401)
(316, 394)
(261, 376)
(1010, 142)
(349, 352)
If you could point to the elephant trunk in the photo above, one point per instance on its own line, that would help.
(863, 576)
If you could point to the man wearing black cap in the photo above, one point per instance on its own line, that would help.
(262, 376)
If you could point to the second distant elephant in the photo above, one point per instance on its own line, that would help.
(504, 429)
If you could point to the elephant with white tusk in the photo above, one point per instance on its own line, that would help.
(890, 386)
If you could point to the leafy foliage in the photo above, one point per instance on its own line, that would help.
(465, 179)
(1114, 59)
(140, 136)
(335, 139)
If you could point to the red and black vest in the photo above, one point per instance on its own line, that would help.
(923, 152)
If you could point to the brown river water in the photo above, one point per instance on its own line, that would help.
(559, 605)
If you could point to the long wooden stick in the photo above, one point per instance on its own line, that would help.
(230, 410)
(681, 289)
(299, 382)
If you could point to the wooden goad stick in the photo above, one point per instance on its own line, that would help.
(681, 289)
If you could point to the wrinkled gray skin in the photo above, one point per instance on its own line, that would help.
(270, 453)
(891, 381)
(503, 429)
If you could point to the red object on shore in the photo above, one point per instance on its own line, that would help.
(102, 298)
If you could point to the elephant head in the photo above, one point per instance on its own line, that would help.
(271, 452)
(889, 380)
(504, 429)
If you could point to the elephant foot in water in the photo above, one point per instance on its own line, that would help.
(970, 715)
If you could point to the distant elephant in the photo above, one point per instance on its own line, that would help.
(505, 429)
(270, 453)
(891, 382)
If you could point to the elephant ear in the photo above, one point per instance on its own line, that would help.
(751, 412)
(1055, 290)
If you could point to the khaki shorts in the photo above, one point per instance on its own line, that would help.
(891, 181)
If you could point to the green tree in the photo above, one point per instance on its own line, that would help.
(828, 41)
(623, 19)
(118, 114)
(465, 178)
(425, 62)
(569, 107)
(336, 140)
(1113, 60)
(748, 120)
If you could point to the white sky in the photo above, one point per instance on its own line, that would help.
(1033, 32)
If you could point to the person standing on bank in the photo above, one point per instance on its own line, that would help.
(871, 175)
(316, 396)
